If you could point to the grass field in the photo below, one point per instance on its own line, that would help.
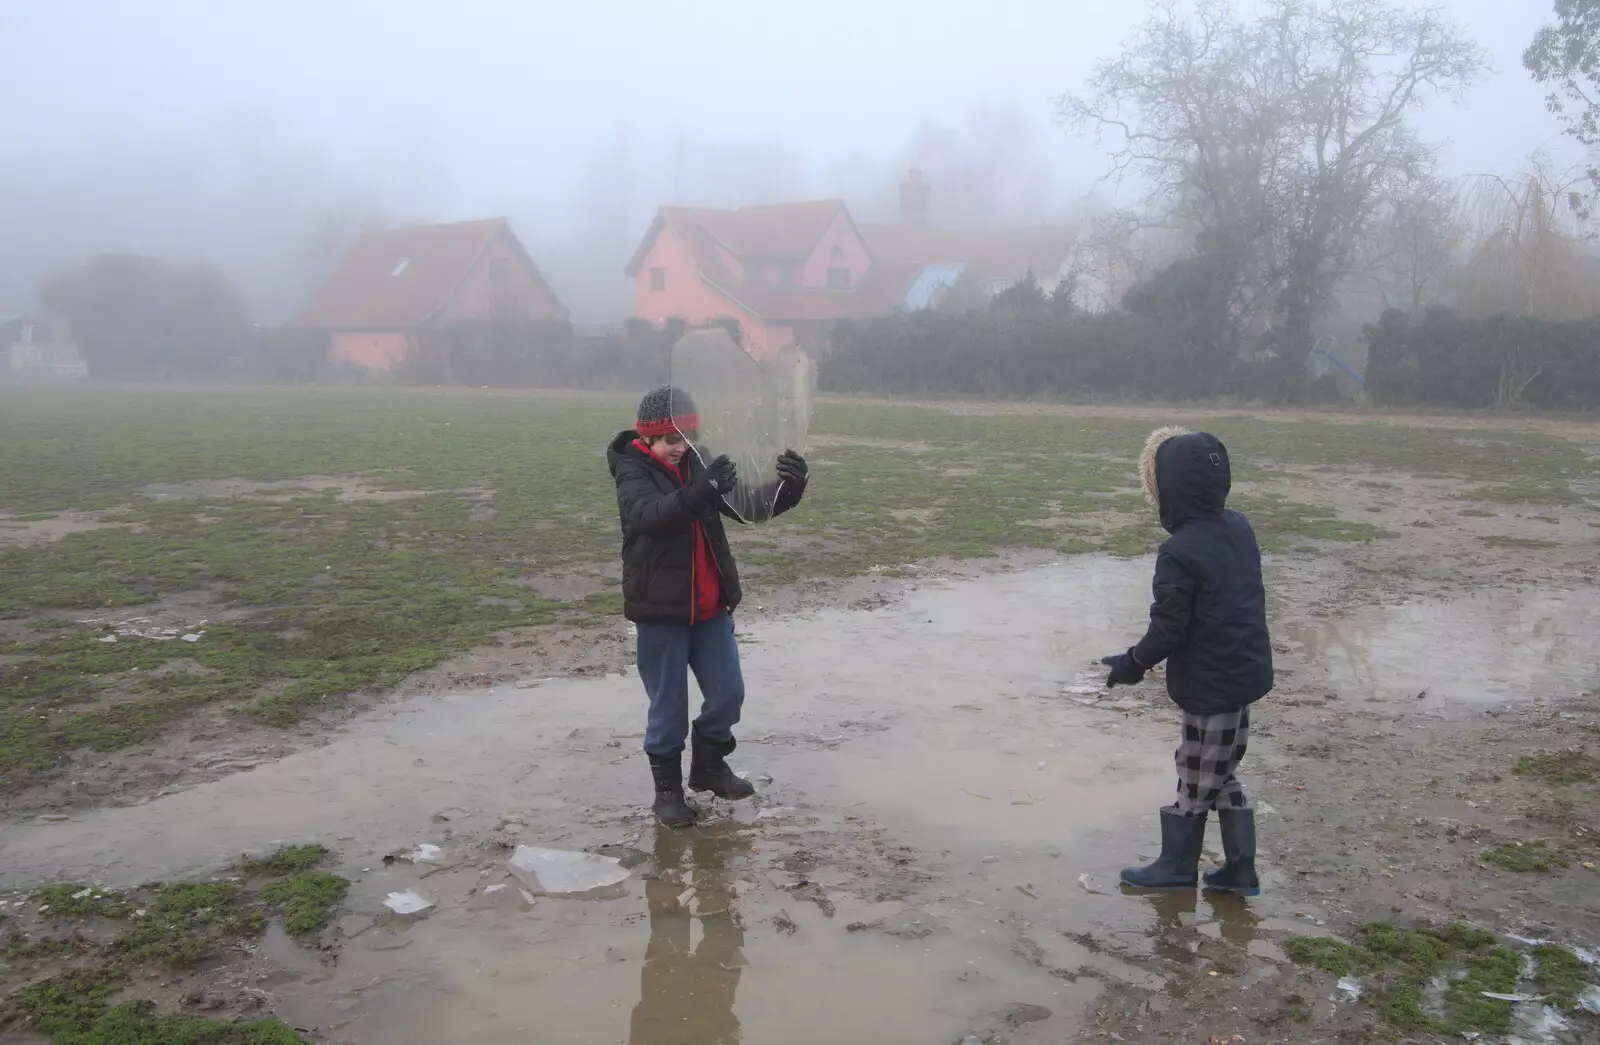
(334, 542)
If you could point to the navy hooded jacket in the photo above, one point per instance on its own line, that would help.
(1209, 617)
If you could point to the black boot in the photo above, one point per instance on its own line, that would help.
(1238, 875)
(670, 808)
(708, 771)
(1178, 866)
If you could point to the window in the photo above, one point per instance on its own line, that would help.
(838, 279)
(400, 267)
(658, 279)
(836, 252)
(755, 272)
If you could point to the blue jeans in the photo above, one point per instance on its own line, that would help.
(666, 655)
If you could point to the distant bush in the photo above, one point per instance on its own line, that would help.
(538, 355)
(1448, 360)
(285, 355)
(134, 317)
(1003, 354)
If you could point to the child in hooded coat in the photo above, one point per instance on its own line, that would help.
(1208, 621)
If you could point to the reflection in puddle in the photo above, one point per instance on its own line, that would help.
(1489, 645)
(687, 987)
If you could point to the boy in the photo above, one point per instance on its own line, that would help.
(1209, 623)
(680, 587)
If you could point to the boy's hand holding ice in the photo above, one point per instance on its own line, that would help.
(720, 477)
(792, 467)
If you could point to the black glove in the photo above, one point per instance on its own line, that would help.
(1125, 671)
(722, 474)
(792, 467)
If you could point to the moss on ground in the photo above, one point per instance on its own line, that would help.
(1527, 543)
(76, 1009)
(1430, 979)
(107, 935)
(307, 900)
(1527, 857)
(1559, 975)
(291, 859)
(1558, 767)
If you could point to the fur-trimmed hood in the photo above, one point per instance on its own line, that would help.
(1186, 475)
(1147, 461)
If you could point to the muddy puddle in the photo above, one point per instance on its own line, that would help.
(946, 797)
(1480, 647)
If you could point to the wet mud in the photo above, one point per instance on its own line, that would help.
(946, 797)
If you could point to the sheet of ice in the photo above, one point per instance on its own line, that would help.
(408, 903)
(1536, 1024)
(561, 871)
(1589, 1000)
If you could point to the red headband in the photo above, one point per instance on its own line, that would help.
(682, 423)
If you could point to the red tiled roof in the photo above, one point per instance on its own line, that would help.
(789, 232)
(397, 279)
(998, 253)
(774, 232)
(780, 231)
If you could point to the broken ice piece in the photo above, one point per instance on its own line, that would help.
(1536, 1022)
(501, 896)
(408, 903)
(1519, 998)
(1351, 986)
(562, 871)
(83, 894)
(108, 638)
(425, 852)
(193, 636)
(1589, 1000)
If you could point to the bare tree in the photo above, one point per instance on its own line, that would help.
(1282, 137)
(1413, 246)
(1527, 254)
(1116, 252)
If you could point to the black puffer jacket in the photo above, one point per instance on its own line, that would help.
(658, 514)
(1209, 617)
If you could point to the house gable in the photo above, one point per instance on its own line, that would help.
(669, 282)
(400, 279)
(502, 285)
(841, 250)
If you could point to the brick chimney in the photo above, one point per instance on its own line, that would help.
(914, 200)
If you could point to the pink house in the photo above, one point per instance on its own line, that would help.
(784, 272)
(393, 283)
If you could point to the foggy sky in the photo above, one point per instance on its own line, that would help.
(196, 131)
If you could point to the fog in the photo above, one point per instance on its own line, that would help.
(258, 142)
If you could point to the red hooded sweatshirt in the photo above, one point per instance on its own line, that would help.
(707, 577)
